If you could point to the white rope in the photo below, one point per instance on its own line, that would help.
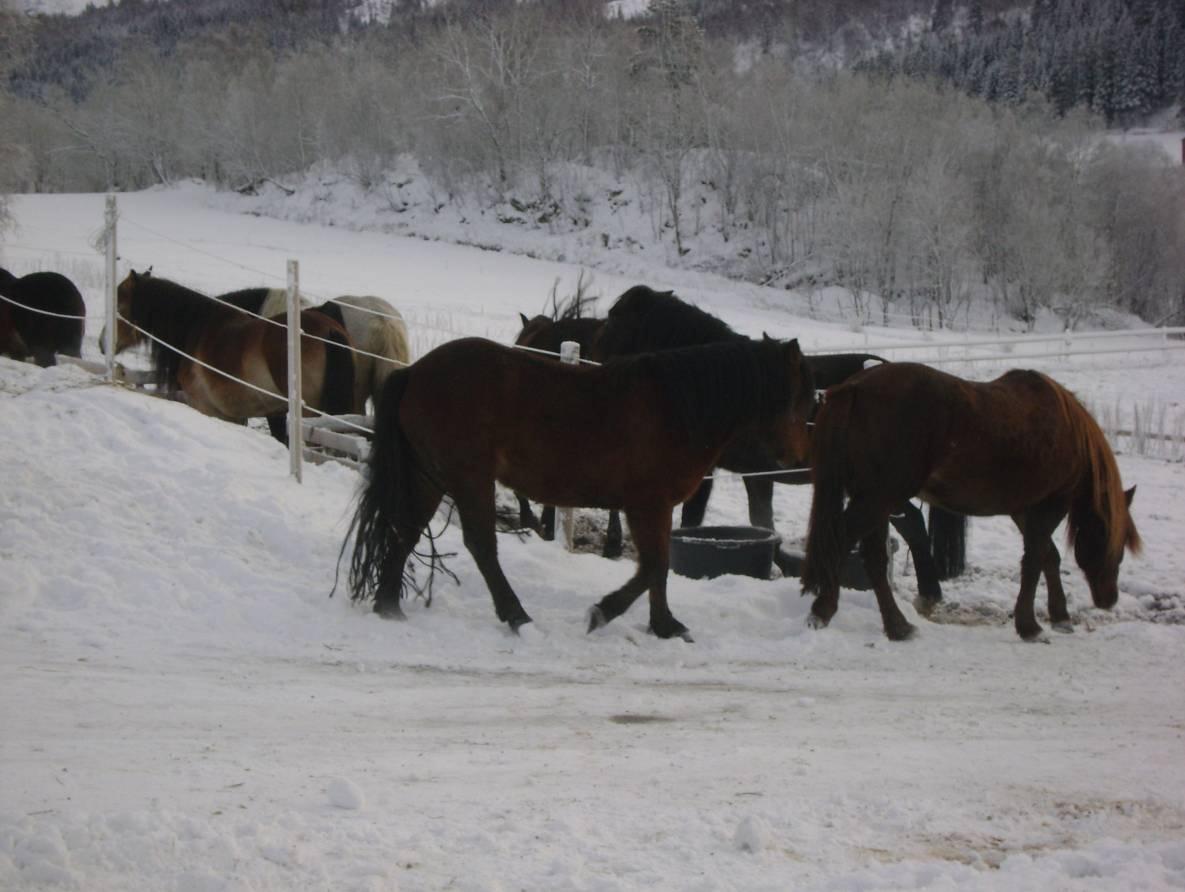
(993, 342)
(204, 365)
(550, 353)
(337, 418)
(1012, 357)
(17, 303)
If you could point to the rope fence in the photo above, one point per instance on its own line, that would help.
(105, 241)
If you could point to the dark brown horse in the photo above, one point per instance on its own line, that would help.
(636, 434)
(253, 350)
(1020, 445)
(48, 316)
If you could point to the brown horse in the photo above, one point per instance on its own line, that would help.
(174, 318)
(1020, 445)
(637, 434)
(48, 316)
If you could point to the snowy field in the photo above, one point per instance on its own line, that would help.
(184, 708)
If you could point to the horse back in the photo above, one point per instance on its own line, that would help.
(42, 334)
(483, 411)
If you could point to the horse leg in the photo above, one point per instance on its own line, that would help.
(694, 508)
(387, 596)
(875, 553)
(858, 520)
(478, 515)
(278, 426)
(614, 539)
(1040, 557)
(548, 522)
(1037, 525)
(526, 517)
(652, 535)
(1059, 615)
(912, 526)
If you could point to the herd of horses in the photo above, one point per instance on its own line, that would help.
(672, 393)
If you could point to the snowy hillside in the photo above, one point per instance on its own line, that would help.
(184, 707)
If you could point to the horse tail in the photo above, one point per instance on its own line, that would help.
(337, 387)
(826, 538)
(380, 524)
(1104, 495)
(948, 542)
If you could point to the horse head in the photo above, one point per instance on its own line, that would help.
(1096, 554)
(532, 329)
(125, 334)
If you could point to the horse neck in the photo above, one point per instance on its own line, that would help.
(718, 389)
(1100, 486)
(7, 281)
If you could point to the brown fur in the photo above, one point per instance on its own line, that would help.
(1020, 445)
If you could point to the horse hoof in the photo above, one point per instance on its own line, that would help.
(527, 630)
(816, 622)
(390, 611)
(1037, 637)
(902, 632)
(925, 606)
(1064, 626)
(672, 629)
(596, 618)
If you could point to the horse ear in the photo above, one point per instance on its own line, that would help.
(794, 349)
(1129, 495)
(148, 272)
(523, 316)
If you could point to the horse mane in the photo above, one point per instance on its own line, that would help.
(174, 314)
(643, 320)
(715, 387)
(1105, 497)
(251, 299)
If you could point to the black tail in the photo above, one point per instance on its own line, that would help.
(379, 526)
(337, 387)
(948, 542)
(826, 539)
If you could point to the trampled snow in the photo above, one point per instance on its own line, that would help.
(184, 707)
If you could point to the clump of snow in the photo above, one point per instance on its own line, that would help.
(753, 834)
(344, 793)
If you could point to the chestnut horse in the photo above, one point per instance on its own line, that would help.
(1020, 445)
(637, 434)
(47, 314)
(253, 350)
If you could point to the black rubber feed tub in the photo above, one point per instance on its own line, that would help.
(706, 552)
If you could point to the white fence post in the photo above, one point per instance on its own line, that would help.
(295, 435)
(109, 244)
(569, 353)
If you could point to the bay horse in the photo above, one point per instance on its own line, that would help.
(250, 349)
(643, 319)
(1020, 445)
(41, 334)
(374, 326)
(636, 434)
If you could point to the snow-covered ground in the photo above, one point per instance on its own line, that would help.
(183, 707)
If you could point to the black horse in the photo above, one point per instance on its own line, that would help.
(644, 320)
(47, 315)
